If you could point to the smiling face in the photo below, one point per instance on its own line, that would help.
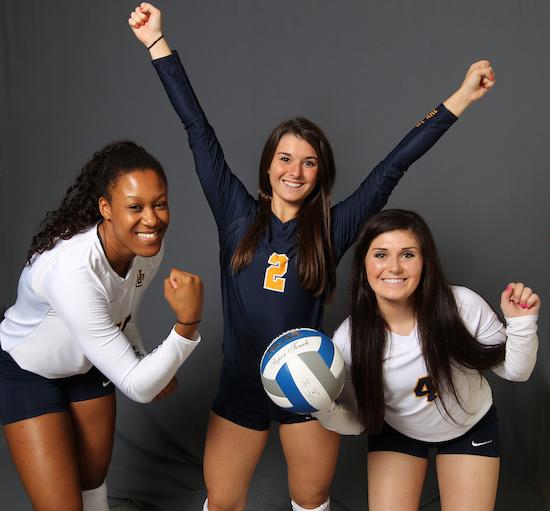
(394, 267)
(135, 217)
(292, 175)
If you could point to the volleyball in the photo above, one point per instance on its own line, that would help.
(302, 371)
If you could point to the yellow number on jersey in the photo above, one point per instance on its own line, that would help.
(274, 274)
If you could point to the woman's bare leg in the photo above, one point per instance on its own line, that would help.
(43, 451)
(467, 482)
(93, 430)
(395, 481)
(230, 458)
(311, 453)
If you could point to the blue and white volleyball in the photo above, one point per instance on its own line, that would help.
(302, 371)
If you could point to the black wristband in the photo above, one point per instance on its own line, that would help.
(155, 42)
(190, 323)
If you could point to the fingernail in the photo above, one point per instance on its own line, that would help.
(508, 287)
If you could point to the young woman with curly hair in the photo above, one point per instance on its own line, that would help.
(71, 336)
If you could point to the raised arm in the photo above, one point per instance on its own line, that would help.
(146, 23)
(224, 192)
(374, 191)
(479, 79)
(520, 307)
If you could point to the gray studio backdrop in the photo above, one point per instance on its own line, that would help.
(73, 78)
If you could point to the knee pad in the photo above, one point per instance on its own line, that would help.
(325, 506)
(205, 506)
(96, 499)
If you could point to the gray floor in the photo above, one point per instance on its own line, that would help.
(516, 491)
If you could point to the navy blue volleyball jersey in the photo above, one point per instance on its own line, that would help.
(266, 298)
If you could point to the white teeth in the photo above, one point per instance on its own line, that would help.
(147, 235)
(293, 185)
(393, 281)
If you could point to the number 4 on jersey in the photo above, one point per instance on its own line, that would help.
(274, 274)
(425, 387)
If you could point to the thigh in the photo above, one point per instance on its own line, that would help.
(395, 481)
(311, 452)
(24, 395)
(43, 451)
(467, 482)
(242, 400)
(93, 426)
(230, 458)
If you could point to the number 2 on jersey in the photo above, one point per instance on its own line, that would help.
(274, 274)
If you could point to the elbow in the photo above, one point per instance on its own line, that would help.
(517, 368)
(523, 376)
(139, 398)
(142, 396)
(519, 379)
(355, 430)
(199, 132)
(343, 428)
(143, 399)
(520, 376)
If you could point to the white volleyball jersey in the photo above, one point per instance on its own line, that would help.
(74, 311)
(412, 408)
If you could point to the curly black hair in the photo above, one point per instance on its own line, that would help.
(79, 208)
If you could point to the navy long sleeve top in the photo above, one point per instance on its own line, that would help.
(254, 310)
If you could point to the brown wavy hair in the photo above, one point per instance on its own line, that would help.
(315, 260)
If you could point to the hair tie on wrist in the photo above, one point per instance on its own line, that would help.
(155, 42)
(190, 323)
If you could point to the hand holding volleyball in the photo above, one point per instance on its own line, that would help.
(519, 300)
(145, 21)
(183, 292)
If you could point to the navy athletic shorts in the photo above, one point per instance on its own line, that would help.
(243, 400)
(483, 439)
(24, 394)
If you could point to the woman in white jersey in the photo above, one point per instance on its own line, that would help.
(414, 347)
(72, 334)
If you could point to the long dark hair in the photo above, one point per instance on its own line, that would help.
(444, 338)
(315, 260)
(79, 207)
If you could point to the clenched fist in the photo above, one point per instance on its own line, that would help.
(519, 300)
(145, 21)
(183, 292)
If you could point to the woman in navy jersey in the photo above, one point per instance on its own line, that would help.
(413, 348)
(278, 256)
(71, 336)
